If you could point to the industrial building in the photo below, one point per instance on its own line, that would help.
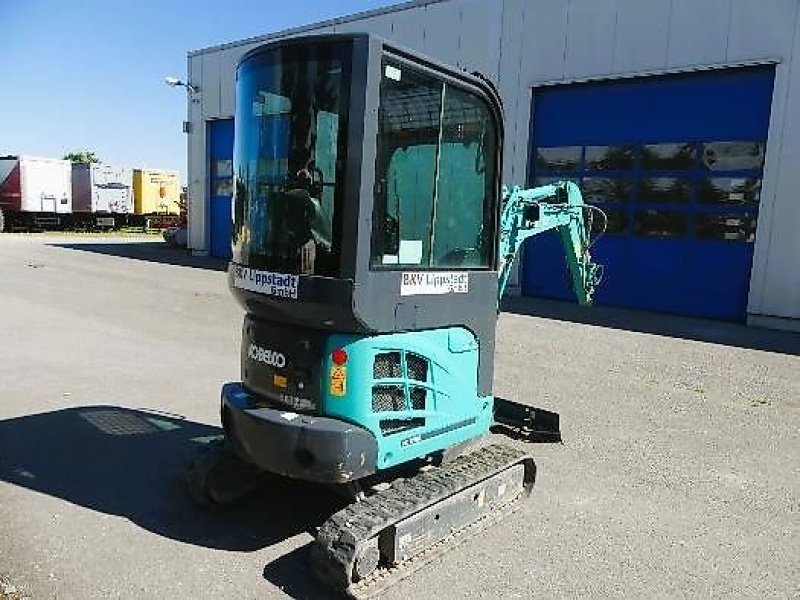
(681, 119)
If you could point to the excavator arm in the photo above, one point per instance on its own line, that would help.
(559, 206)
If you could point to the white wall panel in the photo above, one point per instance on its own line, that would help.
(769, 188)
(227, 78)
(442, 26)
(591, 26)
(380, 25)
(544, 42)
(479, 36)
(408, 28)
(511, 81)
(196, 160)
(698, 32)
(514, 89)
(760, 29)
(775, 283)
(211, 85)
(641, 35)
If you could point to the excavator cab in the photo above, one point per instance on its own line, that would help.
(365, 249)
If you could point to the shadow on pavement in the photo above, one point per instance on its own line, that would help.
(292, 574)
(702, 330)
(151, 251)
(127, 462)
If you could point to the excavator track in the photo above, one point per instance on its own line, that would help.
(372, 544)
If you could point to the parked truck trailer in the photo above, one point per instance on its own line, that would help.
(34, 192)
(156, 192)
(102, 195)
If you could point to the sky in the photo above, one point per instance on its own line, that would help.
(89, 74)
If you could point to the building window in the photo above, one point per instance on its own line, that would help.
(609, 158)
(733, 156)
(559, 160)
(669, 157)
(665, 189)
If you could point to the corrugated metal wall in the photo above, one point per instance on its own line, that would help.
(525, 43)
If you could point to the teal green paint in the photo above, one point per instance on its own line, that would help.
(451, 398)
(560, 207)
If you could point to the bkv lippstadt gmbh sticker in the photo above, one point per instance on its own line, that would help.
(265, 282)
(419, 283)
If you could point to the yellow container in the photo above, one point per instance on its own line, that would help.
(156, 192)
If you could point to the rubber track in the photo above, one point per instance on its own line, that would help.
(342, 536)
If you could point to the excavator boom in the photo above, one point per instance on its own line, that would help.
(560, 206)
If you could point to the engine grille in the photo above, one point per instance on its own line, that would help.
(387, 397)
(387, 365)
(417, 367)
(418, 397)
(390, 426)
(393, 397)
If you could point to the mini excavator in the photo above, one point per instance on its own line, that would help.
(372, 241)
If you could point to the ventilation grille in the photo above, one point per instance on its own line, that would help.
(391, 426)
(417, 367)
(387, 365)
(418, 397)
(387, 397)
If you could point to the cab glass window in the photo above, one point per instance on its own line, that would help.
(434, 174)
(289, 157)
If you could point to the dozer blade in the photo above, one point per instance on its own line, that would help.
(526, 423)
(371, 545)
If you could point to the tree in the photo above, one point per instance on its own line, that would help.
(82, 156)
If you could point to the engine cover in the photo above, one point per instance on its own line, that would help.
(281, 365)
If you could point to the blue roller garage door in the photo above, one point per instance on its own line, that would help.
(676, 161)
(220, 154)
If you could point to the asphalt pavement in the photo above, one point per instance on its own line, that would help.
(679, 475)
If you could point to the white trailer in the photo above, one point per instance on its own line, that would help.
(100, 192)
(34, 191)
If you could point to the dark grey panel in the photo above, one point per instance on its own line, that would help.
(306, 447)
(281, 363)
(322, 303)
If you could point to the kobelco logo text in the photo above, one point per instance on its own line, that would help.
(268, 357)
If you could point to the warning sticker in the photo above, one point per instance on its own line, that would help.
(418, 284)
(265, 282)
(338, 380)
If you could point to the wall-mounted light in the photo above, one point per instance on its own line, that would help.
(175, 82)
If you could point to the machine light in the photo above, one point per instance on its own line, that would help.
(339, 356)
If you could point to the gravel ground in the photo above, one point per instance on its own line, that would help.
(10, 592)
(678, 477)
